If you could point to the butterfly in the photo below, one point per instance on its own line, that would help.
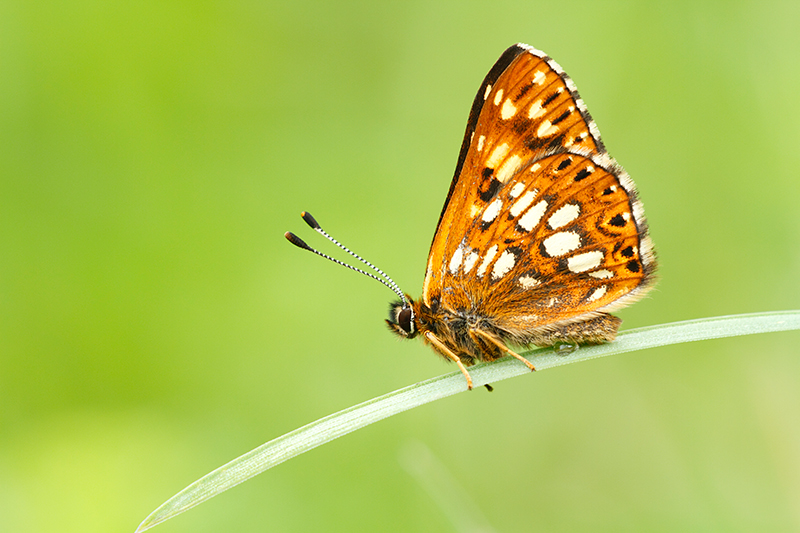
(542, 234)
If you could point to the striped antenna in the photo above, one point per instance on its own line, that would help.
(297, 241)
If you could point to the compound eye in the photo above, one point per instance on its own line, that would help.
(404, 320)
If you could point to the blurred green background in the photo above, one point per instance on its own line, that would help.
(154, 323)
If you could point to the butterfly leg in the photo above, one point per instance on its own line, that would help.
(500, 344)
(444, 350)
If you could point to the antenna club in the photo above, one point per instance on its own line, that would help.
(309, 220)
(297, 241)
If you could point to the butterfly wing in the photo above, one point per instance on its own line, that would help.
(540, 226)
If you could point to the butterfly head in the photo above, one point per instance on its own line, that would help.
(403, 319)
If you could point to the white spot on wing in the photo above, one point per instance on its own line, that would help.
(561, 243)
(523, 203)
(498, 97)
(504, 263)
(493, 210)
(538, 77)
(498, 154)
(455, 261)
(508, 110)
(487, 259)
(536, 110)
(508, 168)
(585, 261)
(517, 190)
(531, 219)
(602, 274)
(598, 293)
(546, 129)
(481, 140)
(564, 215)
(469, 262)
(488, 90)
(528, 282)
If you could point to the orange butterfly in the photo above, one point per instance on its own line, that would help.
(542, 233)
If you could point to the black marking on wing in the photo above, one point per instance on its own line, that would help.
(562, 117)
(583, 174)
(549, 99)
(617, 220)
(491, 189)
(524, 90)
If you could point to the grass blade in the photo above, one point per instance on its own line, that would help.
(333, 426)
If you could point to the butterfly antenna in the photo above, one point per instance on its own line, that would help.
(297, 241)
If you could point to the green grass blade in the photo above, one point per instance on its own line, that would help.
(333, 426)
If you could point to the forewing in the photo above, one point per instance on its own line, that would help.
(526, 107)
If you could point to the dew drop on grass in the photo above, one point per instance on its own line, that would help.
(565, 348)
